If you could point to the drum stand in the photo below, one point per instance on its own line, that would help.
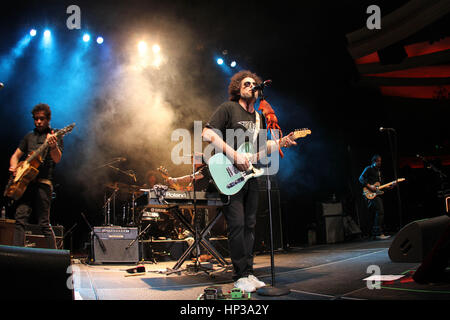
(107, 208)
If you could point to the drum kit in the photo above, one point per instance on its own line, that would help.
(130, 200)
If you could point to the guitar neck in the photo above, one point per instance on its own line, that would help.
(299, 133)
(44, 146)
(387, 184)
(39, 151)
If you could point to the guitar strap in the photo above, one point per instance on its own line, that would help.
(257, 125)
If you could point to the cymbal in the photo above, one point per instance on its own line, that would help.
(123, 187)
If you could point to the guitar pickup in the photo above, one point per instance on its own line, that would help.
(232, 184)
(232, 170)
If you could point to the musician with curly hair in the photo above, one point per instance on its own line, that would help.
(233, 122)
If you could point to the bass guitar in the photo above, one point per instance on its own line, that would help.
(371, 195)
(27, 170)
(228, 178)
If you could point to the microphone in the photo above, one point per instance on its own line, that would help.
(386, 129)
(261, 85)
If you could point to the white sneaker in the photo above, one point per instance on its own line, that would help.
(245, 285)
(256, 282)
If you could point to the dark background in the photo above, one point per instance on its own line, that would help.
(302, 48)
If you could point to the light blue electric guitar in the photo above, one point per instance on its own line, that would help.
(229, 179)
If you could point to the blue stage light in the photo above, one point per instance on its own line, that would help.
(47, 33)
(86, 37)
(33, 32)
(99, 40)
(220, 61)
(233, 64)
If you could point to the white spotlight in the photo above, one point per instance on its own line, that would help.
(142, 47)
(233, 64)
(33, 32)
(156, 48)
(99, 40)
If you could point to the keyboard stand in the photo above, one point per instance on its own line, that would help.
(201, 240)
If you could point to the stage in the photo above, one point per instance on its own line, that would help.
(320, 272)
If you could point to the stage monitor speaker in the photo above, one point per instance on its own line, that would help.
(262, 232)
(415, 240)
(35, 274)
(433, 268)
(115, 240)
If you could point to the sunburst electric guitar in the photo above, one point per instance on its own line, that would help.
(228, 178)
(27, 170)
(371, 195)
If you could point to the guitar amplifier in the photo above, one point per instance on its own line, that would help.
(115, 240)
(6, 232)
(331, 222)
(34, 238)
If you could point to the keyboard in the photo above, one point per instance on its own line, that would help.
(183, 198)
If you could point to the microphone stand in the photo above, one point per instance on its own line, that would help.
(272, 290)
(394, 154)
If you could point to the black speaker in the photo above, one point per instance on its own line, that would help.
(262, 232)
(435, 263)
(115, 241)
(35, 274)
(415, 240)
(331, 222)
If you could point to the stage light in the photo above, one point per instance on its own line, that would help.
(86, 37)
(142, 47)
(47, 33)
(233, 64)
(99, 40)
(220, 61)
(156, 48)
(33, 32)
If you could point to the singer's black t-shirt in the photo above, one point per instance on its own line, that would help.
(231, 115)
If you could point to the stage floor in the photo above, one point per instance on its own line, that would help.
(321, 272)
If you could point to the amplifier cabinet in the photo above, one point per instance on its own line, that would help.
(115, 240)
(6, 232)
(34, 238)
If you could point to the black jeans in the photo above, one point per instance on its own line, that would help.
(240, 215)
(376, 215)
(37, 200)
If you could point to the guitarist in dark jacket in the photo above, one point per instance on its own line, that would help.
(37, 197)
(368, 178)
